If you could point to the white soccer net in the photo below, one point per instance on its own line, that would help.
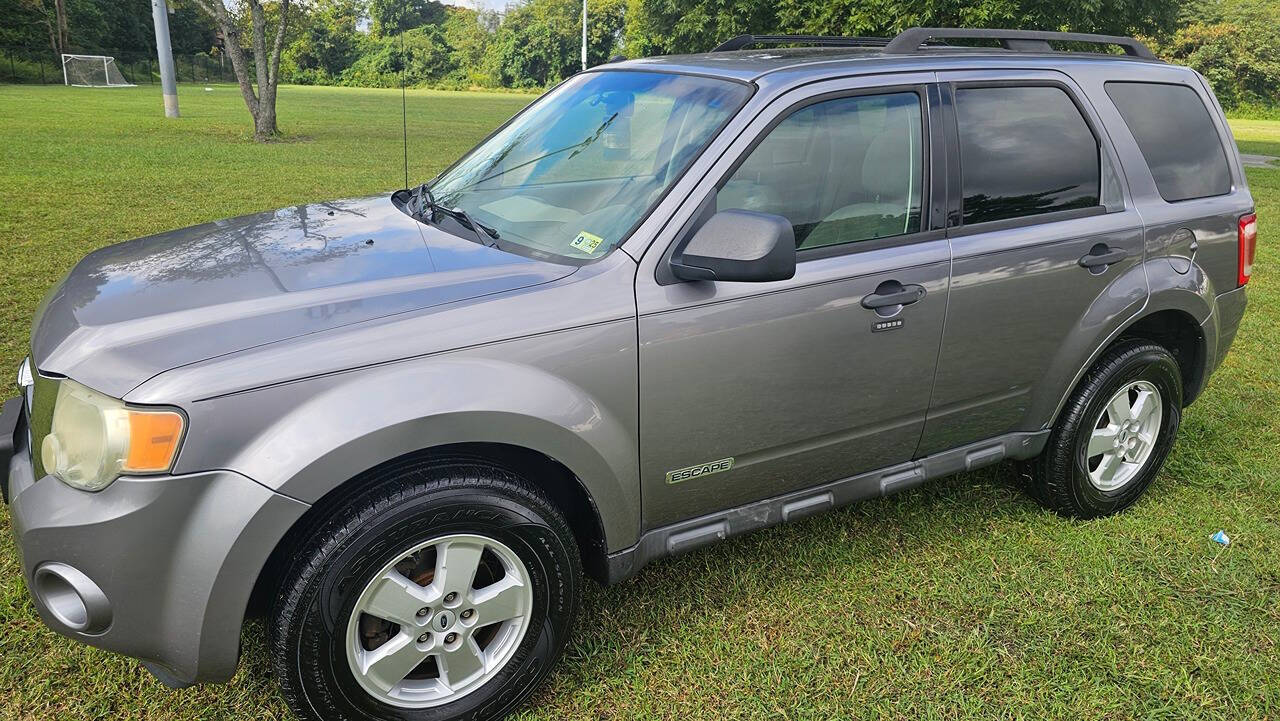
(92, 71)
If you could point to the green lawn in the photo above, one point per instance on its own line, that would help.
(959, 600)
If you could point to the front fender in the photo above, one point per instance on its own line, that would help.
(306, 438)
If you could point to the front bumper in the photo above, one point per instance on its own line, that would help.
(158, 568)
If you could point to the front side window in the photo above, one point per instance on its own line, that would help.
(571, 176)
(1176, 136)
(840, 170)
(1024, 151)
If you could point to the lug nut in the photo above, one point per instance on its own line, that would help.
(424, 638)
(451, 638)
(423, 611)
(468, 614)
(451, 596)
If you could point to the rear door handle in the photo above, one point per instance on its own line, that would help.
(891, 293)
(1101, 255)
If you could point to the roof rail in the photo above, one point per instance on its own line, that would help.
(746, 41)
(1036, 41)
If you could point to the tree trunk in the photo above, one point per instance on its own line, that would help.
(262, 103)
(55, 21)
(60, 11)
(264, 121)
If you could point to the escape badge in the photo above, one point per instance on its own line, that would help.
(702, 469)
(586, 242)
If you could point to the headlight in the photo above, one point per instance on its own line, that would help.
(94, 439)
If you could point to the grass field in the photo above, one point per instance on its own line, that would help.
(959, 600)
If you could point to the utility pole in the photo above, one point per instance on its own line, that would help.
(168, 84)
(584, 34)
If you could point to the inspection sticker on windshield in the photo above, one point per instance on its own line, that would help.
(586, 242)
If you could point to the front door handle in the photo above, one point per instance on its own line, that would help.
(1101, 255)
(891, 293)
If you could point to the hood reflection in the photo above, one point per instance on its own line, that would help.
(187, 295)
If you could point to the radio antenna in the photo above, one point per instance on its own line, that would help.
(404, 113)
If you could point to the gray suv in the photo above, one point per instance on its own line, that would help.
(674, 300)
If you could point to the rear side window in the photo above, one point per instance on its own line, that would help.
(1024, 151)
(1176, 135)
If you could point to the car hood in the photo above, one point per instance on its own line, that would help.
(132, 310)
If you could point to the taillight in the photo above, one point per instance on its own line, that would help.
(1248, 245)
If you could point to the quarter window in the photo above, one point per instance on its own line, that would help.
(1024, 151)
(840, 170)
(1177, 138)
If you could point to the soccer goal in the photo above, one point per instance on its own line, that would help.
(92, 71)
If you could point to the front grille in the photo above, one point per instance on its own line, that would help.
(43, 394)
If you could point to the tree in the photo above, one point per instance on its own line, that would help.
(684, 26)
(470, 32)
(392, 17)
(261, 104)
(539, 43)
(49, 14)
(665, 27)
(327, 42)
(420, 56)
(1235, 44)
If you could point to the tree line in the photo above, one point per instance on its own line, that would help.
(535, 43)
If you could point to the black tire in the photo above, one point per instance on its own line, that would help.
(407, 503)
(1059, 477)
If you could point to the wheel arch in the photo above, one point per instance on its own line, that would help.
(1178, 332)
(564, 489)
(1172, 326)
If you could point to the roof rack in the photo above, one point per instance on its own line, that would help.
(1036, 41)
(745, 41)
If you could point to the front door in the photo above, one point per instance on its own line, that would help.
(751, 390)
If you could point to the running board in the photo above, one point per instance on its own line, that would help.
(695, 533)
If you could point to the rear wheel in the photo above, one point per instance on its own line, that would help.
(1114, 434)
(443, 592)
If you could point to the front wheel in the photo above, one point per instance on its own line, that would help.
(1114, 434)
(444, 591)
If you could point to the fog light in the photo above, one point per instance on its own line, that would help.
(71, 598)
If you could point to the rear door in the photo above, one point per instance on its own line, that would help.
(1047, 252)
(751, 390)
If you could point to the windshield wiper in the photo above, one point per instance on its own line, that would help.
(428, 207)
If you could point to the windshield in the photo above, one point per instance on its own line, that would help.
(571, 176)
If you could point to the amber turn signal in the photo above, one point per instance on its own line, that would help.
(153, 441)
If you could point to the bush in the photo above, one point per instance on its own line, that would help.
(1242, 65)
(422, 53)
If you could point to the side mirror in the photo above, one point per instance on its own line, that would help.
(739, 245)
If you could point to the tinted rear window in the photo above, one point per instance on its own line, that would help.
(1024, 151)
(1176, 134)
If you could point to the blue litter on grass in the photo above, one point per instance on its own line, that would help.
(1221, 537)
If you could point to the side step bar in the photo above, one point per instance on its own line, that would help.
(695, 533)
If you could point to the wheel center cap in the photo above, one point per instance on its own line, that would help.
(443, 620)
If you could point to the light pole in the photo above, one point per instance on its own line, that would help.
(168, 84)
(584, 34)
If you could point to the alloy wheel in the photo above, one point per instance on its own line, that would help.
(439, 621)
(1124, 435)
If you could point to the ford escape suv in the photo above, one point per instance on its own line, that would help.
(673, 300)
